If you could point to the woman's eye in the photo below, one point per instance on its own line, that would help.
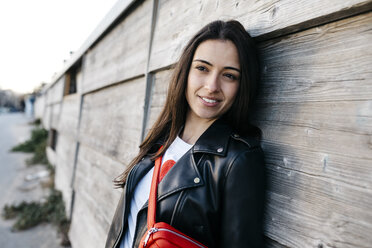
(231, 76)
(201, 68)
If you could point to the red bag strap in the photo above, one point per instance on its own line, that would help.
(151, 210)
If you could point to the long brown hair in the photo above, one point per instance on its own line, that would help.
(173, 115)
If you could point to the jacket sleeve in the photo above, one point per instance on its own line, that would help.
(243, 201)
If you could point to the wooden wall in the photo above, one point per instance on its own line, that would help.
(102, 155)
(314, 108)
(316, 115)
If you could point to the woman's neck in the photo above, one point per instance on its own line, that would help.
(194, 128)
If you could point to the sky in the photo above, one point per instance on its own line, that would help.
(37, 36)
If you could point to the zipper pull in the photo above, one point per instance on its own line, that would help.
(149, 232)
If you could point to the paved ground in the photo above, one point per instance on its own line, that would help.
(14, 129)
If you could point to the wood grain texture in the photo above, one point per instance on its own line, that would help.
(111, 119)
(315, 111)
(46, 121)
(273, 244)
(69, 116)
(322, 187)
(121, 54)
(55, 92)
(95, 198)
(315, 123)
(332, 140)
(85, 219)
(65, 154)
(158, 95)
(92, 167)
(259, 17)
(337, 169)
(345, 116)
(106, 23)
(308, 211)
(39, 106)
(327, 63)
(55, 114)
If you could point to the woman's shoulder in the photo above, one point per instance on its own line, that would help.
(244, 150)
(243, 146)
(245, 157)
(246, 142)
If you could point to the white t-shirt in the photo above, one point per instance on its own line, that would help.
(142, 191)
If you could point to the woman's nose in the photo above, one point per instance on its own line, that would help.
(212, 83)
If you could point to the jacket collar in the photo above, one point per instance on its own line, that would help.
(215, 139)
(184, 174)
(211, 141)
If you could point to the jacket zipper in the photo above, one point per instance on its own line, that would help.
(149, 232)
(154, 230)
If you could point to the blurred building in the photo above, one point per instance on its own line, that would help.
(10, 101)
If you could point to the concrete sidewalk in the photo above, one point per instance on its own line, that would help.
(14, 129)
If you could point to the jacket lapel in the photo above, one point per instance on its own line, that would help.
(185, 174)
(139, 171)
(182, 175)
(214, 140)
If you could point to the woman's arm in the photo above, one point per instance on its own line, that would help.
(243, 201)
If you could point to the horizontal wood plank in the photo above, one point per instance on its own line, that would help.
(345, 116)
(259, 17)
(46, 120)
(327, 63)
(94, 188)
(111, 119)
(87, 220)
(55, 114)
(333, 141)
(307, 211)
(122, 53)
(273, 244)
(66, 149)
(55, 93)
(315, 111)
(158, 95)
(39, 106)
(337, 168)
(65, 156)
(69, 116)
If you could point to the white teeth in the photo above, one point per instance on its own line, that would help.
(209, 100)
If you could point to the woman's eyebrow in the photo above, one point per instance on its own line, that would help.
(208, 63)
(202, 60)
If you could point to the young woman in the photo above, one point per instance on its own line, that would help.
(214, 193)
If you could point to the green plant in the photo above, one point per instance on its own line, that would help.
(39, 156)
(36, 122)
(30, 214)
(38, 135)
(36, 144)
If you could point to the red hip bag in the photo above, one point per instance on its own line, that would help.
(161, 234)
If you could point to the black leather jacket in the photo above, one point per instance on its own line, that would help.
(214, 193)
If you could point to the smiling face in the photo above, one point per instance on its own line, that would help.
(213, 80)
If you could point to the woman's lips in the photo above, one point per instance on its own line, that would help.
(210, 102)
